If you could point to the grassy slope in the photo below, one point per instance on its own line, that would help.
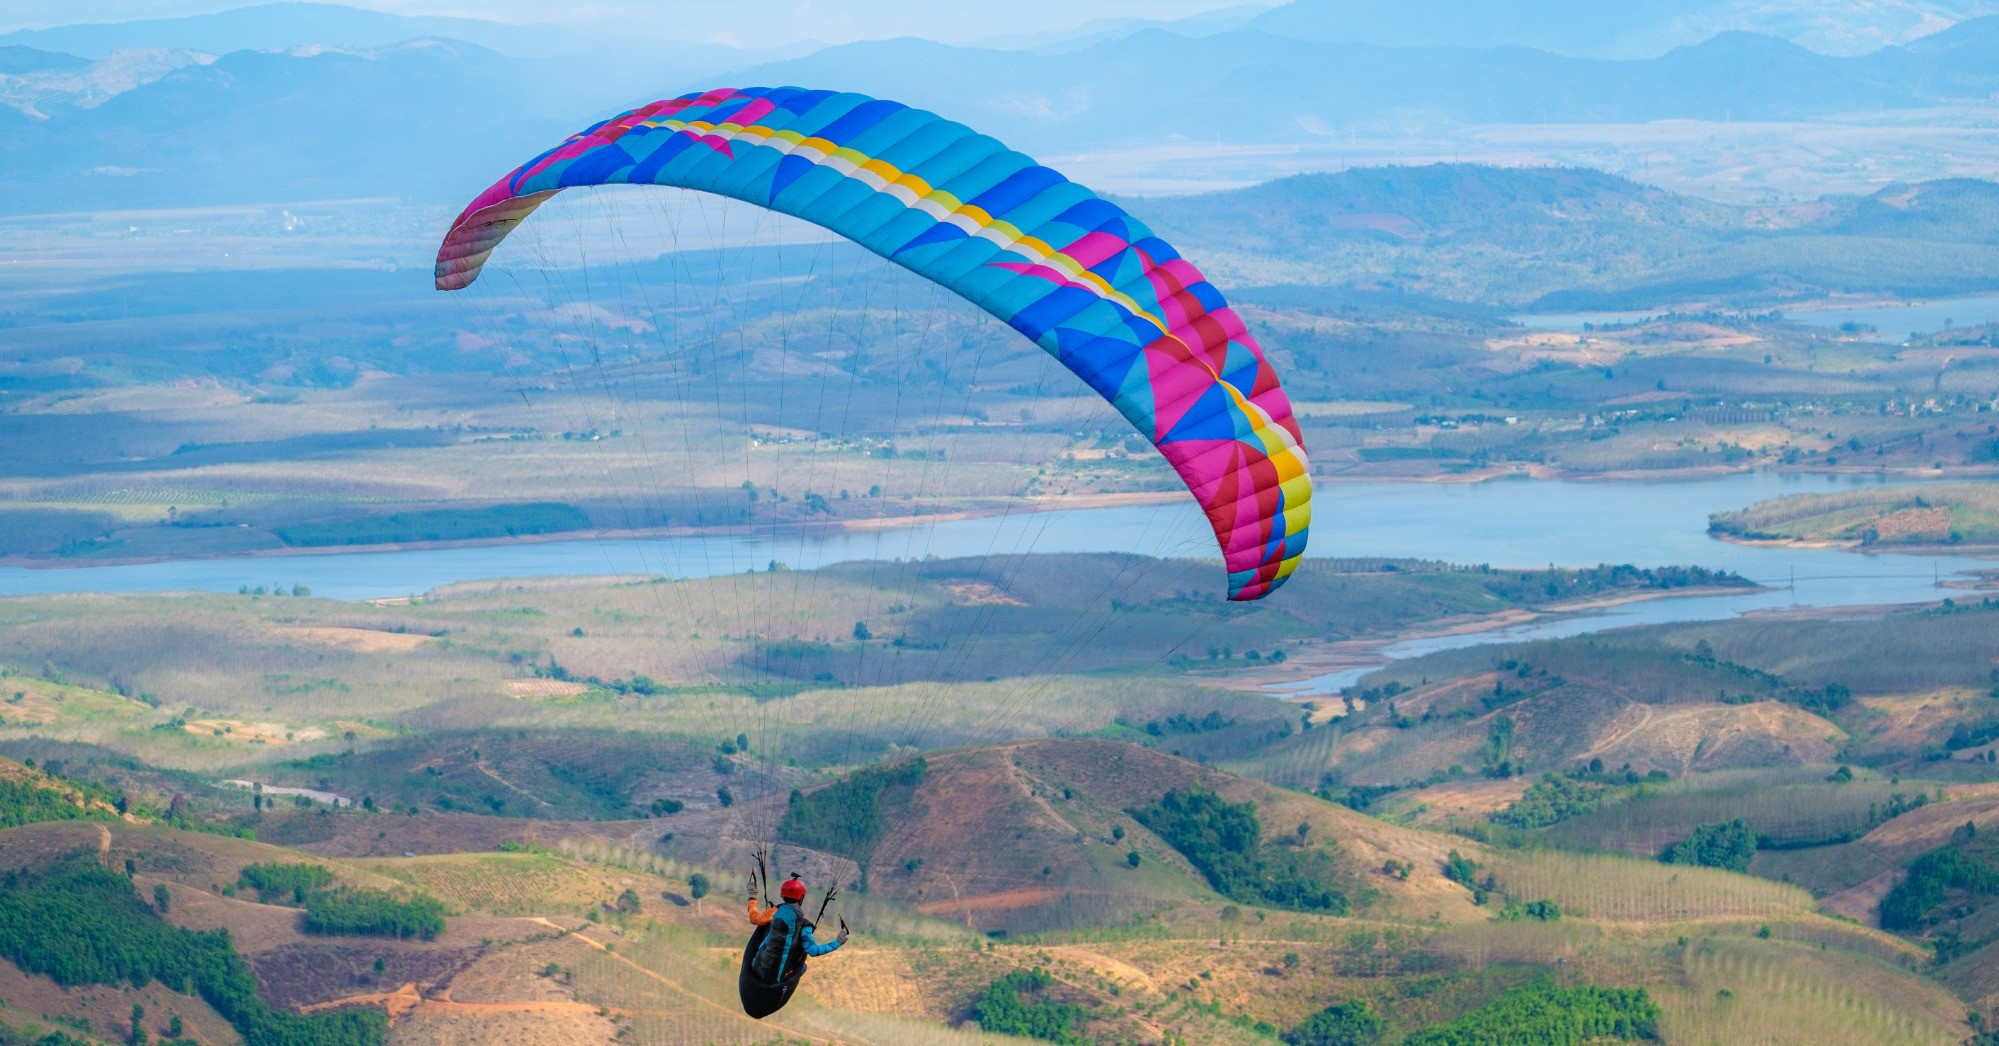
(288, 677)
(667, 972)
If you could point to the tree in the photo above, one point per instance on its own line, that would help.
(80, 923)
(1730, 845)
(160, 897)
(1542, 1014)
(848, 816)
(1351, 1023)
(697, 885)
(1223, 841)
(861, 631)
(628, 901)
(373, 913)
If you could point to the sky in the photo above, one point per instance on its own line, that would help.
(747, 23)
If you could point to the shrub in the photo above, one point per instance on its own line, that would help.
(1018, 1004)
(25, 802)
(1549, 801)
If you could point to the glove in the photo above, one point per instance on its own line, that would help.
(844, 932)
(753, 888)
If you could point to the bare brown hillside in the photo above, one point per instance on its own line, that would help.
(1026, 835)
(1560, 724)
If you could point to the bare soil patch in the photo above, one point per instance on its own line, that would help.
(1913, 525)
(1911, 720)
(1710, 737)
(359, 640)
(1929, 827)
(1005, 900)
(519, 1024)
(1862, 903)
(978, 594)
(308, 973)
(542, 689)
(1474, 798)
(254, 733)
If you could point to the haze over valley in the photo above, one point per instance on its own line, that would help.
(380, 665)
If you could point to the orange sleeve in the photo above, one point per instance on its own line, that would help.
(760, 918)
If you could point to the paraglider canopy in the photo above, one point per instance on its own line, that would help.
(1073, 272)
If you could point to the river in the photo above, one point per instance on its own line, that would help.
(1510, 523)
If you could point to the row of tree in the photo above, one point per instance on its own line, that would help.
(1542, 1014)
(373, 913)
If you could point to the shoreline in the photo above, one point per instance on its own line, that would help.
(1023, 506)
(1898, 549)
(1034, 506)
(1349, 654)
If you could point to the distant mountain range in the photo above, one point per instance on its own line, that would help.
(427, 120)
(1619, 29)
(1251, 86)
(283, 26)
(318, 107)
(1567, 238)
(1581, 28)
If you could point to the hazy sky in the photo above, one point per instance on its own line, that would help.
(748, 23)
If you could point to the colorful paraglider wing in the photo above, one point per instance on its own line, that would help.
(1085, 280)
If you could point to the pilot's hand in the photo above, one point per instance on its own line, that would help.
(844, 932)
(753, 887)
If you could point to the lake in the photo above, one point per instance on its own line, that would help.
(1504, 523)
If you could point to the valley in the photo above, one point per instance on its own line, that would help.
(533, 757)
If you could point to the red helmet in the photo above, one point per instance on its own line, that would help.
(793, 889)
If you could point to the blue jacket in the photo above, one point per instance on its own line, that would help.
(774, 961)
(814, 949)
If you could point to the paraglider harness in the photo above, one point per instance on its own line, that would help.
(774, 958)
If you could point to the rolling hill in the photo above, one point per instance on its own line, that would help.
(589, 940)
